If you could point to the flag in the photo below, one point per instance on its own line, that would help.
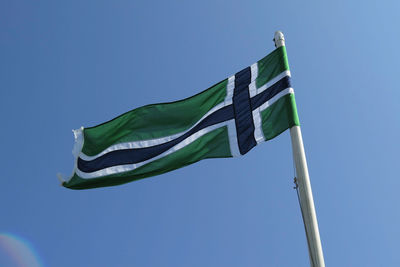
(226, 120)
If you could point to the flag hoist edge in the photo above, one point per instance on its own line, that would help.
(226, 120)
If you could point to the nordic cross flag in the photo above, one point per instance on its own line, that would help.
(226, 120)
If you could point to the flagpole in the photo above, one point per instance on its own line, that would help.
(304, 187)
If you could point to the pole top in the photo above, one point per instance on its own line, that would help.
(279, 39)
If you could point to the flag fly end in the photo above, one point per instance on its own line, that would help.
(78, 135)
(60, 178)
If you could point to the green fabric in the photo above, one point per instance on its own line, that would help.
(212, 145)
(272, 65)
(153, 121)
(279, 116)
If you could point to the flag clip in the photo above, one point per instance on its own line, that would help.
(295, 183)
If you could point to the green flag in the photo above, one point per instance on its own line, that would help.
(226, 120)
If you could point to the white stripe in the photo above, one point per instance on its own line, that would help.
(233, 143)
(258, 132)
(276, 98)
(229, 90)
(272, 81)
(130, 167)
(252, 85)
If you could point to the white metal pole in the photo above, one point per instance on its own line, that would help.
(304, 187)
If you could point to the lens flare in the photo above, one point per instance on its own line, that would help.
(19, 251)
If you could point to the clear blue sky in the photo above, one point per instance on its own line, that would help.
(66, 64)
